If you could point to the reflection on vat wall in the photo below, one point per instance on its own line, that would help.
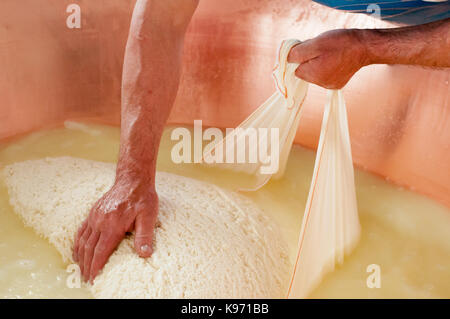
(398, 116)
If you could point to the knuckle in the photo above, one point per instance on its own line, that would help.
(90, 246)
(300, 73)
(102, 248)
(144, 236)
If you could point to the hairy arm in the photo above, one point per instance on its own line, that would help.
(150, 80)
(331, 59)
(426, 45)
(149, 84)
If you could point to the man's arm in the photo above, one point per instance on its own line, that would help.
(150, 80)
(331, 59)
(425, 45)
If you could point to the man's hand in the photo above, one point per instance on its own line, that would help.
(331, 59)
(122, 209)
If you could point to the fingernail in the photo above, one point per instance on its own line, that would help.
(145, 248)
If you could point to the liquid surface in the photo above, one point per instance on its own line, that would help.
(405, 234)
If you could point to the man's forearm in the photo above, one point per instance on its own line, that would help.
(426, 45)
(151, 73)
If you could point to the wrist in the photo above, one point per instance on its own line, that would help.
(135, 179)
(365, 39)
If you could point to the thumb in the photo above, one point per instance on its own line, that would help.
(143, 240)
(302, 52)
